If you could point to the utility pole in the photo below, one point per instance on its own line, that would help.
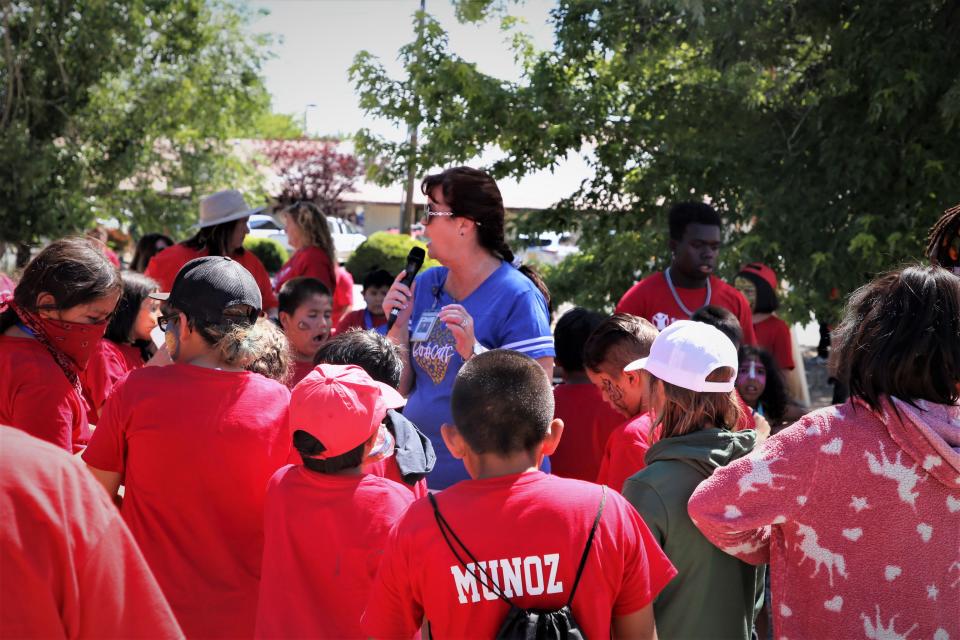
(407, 213)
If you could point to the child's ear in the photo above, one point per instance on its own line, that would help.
(284, 318)
(554, 431)
(633, 378)
(454, 441)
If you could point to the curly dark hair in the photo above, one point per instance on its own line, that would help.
(940, 236)
(774, 398)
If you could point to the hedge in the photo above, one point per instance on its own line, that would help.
(270, 252)
(384, 250)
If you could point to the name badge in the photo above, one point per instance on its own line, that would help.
(424, 326)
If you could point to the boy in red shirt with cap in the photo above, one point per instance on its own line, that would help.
(326, 522)
(528, 530)
(614, 344)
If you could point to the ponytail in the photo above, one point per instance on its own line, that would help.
(506, 254)
(237, 339)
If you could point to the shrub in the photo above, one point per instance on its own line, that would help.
(384, 250)
(270, 252)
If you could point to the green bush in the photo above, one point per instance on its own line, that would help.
(270, 252)
(384, 250)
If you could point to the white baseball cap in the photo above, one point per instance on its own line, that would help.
(686, 352)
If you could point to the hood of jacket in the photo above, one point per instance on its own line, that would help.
(414, 453)
(704, 450)
(929, 433)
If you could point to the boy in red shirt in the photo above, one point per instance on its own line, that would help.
(688, 283)
(528, 529)
(413, 456)
(588, 421)
(326, 522)
(305, 312)
(195, 443)
(375, 287)
(614, 344)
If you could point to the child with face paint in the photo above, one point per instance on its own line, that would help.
(617, 342)
(306, 308)
(49, 329)
(760, 384)
(195, 443)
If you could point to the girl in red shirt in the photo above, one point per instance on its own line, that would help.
(126, 344)
(309, 234)
(48, 331)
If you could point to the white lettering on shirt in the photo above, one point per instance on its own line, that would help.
(552, 560)
(528, 562)
(465, 582)
(519, 576)
(512, 577)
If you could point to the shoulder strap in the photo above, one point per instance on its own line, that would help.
(444, 529)
(586, 549)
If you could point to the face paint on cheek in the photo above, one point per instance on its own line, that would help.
(172, 343)
(614, 393)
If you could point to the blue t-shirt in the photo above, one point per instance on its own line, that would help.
(508, 312)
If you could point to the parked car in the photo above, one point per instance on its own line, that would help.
(547, 247)
(346, 235)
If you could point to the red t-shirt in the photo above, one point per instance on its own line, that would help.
(164, 266)
(529, 530)
(588, 422)
(69, 568)
(300, 369)
(36, 396)
(310, 262)
(343, 296)
(323, 539)
(625, 451)
(197, 447)
(358, 319)
(773, 334)
(651, 299)
(108, 365)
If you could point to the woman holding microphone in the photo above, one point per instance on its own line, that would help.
(478, 300)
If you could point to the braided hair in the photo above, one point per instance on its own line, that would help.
(473, 194)
(940, 237)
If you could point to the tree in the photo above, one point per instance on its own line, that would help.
(121, 110)
(823, 132)
(312, 170)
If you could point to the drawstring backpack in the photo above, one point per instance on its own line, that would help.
(529, 624)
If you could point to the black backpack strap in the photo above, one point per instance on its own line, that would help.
(444, 529)
(586, 549)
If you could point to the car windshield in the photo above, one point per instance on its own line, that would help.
(264, 222)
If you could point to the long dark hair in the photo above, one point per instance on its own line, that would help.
(73, 270)
(473, 194)
(774, 398)
(900, 337)
(136, 288)
(215, 239)
(146, 249)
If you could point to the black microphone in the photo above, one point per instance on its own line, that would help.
(414, 262)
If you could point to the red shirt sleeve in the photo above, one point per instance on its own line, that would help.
(51, 413)
(107, 450)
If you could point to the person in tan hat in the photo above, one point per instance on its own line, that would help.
(220, 232)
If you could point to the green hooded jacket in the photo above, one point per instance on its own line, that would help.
(714, 595)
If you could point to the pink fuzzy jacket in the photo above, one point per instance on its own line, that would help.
(859, 517)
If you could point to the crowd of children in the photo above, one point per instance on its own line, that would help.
(272, 483)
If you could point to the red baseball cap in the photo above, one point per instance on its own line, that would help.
(341, 406)
(762, 271)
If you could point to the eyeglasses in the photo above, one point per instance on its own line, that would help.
(164, 321)
(429, 213)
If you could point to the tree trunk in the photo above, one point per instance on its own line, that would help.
(23, 255)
